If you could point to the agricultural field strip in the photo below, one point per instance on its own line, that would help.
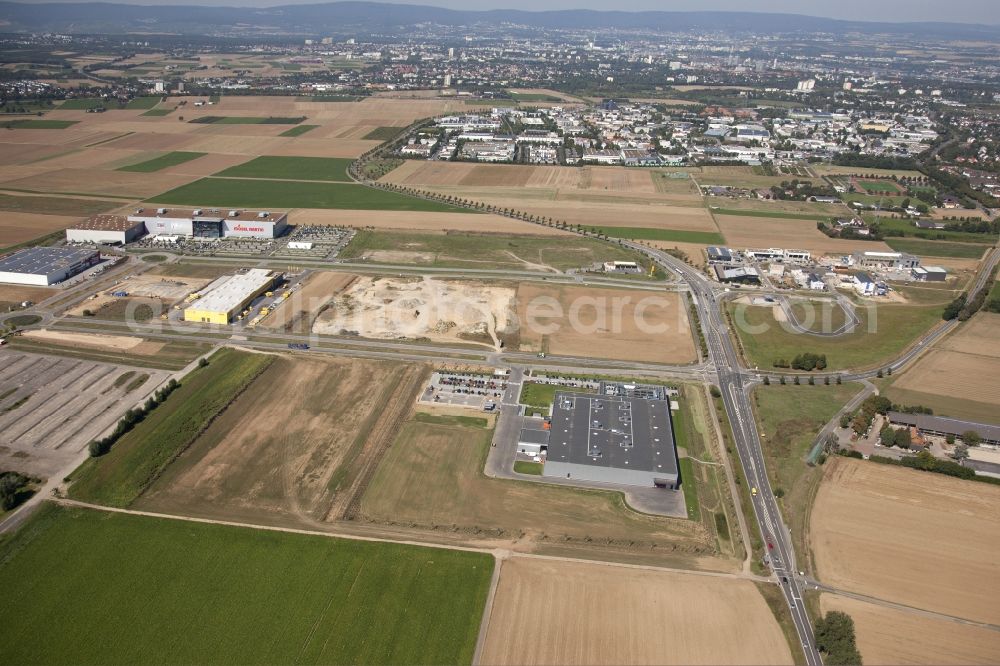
(335, 534)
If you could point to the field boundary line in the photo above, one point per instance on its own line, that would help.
(916, 610)
(484, 624)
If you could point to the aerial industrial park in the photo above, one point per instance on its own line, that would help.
(394, 334)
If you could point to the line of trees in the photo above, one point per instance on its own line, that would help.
(836, 640)
(130, 419)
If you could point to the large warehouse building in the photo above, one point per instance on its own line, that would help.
(618, 439)
(43, 266)
(106, 230)
(227, 296)
(214, 223)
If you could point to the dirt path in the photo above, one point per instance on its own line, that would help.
(537, 267)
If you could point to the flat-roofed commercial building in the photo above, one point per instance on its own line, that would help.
(211, 223)
(619, 440)
(43, 266)
(105, 229)
(227, 296)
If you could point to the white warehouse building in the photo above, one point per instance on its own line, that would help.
(212, 223)
(105, 230)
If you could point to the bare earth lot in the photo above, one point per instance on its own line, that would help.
(101, 341)
(438, 310)
(890, 636)
(605, 323)
(291, 448)
(553, 612)
(51, 407)
(921, 539)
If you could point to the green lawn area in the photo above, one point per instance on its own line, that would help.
(383, 133)
(116, 588)
(790, 417)
(137, 458)
(894, 328)
(539, 396)
(489, 250)
(163, 161)
(690, 488)
(926, 248)
(276, 194)
(877, 186)
(451, 420)
(642, 233)
(298, 130)
(248, 120)
(38, 124)
(291, 168)
(528, 467)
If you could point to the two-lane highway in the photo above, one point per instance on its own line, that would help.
(733, 384)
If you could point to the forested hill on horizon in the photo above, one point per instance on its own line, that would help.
(349, 18)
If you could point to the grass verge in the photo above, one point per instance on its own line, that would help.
(119, 477)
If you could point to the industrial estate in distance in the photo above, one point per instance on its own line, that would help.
(360, 333)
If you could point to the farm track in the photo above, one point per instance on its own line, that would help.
(347, 504)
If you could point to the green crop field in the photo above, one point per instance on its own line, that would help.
(123, 589)
(137, 458)
(247, 120)
(276, 194)
(143, 103)
(899, 228)
(895, 327)
(534, 97)
(38, 124)
(84, 103)
(926, 248)
(383, 133)
(291, 168)
(163, 161)
(335, 98)
(298, 130)
(450, 250)
(159, 112)
(678, 236)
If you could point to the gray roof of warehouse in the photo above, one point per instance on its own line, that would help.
(629, 433)
(43, 260)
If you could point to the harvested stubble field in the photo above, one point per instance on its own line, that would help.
(552, 612)
(431, 479)
(744, 231)
(421, 221)
(99, 182)
(20, 227)
(960, 375)
(14, 293)
(605, 323)
(175, 591)
(891, 636)
(917, 538)
(104, 342)
(297, 312)
(286, 461)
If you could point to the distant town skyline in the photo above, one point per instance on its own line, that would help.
(956, 11)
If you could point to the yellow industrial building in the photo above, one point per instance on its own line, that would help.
(227, 297)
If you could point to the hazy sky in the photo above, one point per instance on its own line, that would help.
(963, 11)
